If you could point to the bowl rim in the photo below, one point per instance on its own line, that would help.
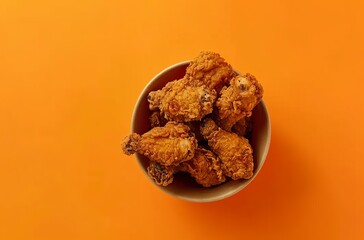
(186, 198)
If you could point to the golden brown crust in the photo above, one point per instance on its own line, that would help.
(238, 100)
(205, 167)
(168, 145)
(210, 69)
(193, 96)
(130, 143)
(235, 152)
(172, 146)
(183, 102)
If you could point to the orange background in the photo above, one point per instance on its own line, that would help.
(71, 72)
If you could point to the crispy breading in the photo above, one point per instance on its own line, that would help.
(205, 167)
(235, 152)
(181, 101)
(210, 69)
(238, 100)
(168, 145)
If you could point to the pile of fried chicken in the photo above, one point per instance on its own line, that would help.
(199, 124)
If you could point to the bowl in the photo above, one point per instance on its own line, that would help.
(183, 186)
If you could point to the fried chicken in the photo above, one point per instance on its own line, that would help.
(193, 96)
(235, 152)
(238, 100)
(183, 101)
(168, 145)
(162, 175)
(210, 69)
(205, 167)
(182, 128)
(156, 119)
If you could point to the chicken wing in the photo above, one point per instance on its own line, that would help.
(210, 69)
(238, 100)
(205, 167)
(182, 101)
(168, 145)
(193, 96)
(235, 152)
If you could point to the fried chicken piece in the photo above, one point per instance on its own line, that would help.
(156, 119)
(162, 175)
(205, 167)
(168, 145)
(235, 152)
(238, 100)
(210, 69)
(193, 96)
(242, 127)
(183, 101)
